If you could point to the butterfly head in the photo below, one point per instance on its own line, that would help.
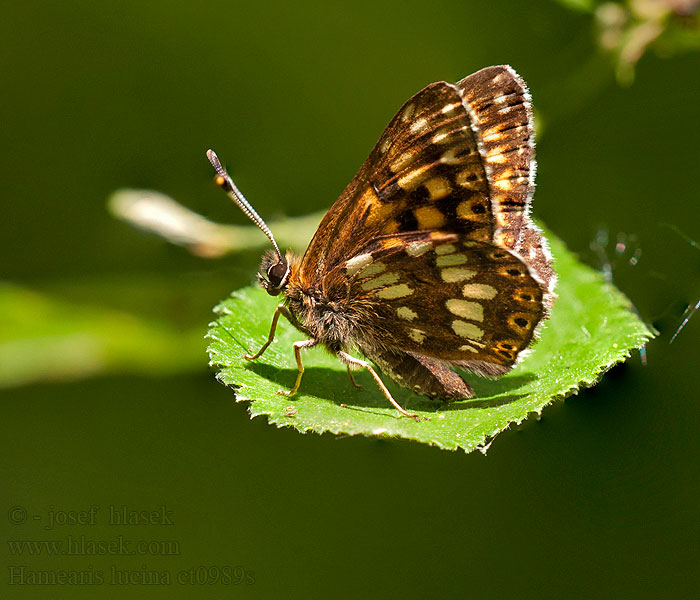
(275, 267)
(275, 273)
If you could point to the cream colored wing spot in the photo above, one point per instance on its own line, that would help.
(504, 239)
(418, 125)
(455, 274)
(405, 159)
(467, 330)
(496, 156)
(414, 178)
(408, 112)
(503, 184)
(502, 219)
(357, 263)
(441, 136)
(405, 313)
(467, 348)
(506, 181)
(451, 260)
(445, 249)
(418, 248)
(480, 291)
(449, 157)
(381, 281)
(373, 269)
(493, 134)
(394, 291)
(417, 335)
(445, 135)
(448, 108)
(473, 311)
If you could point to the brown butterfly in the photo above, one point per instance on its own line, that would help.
(428, 259)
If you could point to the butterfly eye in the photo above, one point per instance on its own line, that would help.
(277, 271)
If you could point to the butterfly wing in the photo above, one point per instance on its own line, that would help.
(501, 104)
(456, 158)
(430, 250)
(426, 146)
(443, 296)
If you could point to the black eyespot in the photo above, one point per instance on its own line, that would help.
(520, 322)
(514, 272)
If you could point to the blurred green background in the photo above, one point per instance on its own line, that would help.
(107, 400)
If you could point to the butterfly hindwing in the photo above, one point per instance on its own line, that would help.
(444, 296)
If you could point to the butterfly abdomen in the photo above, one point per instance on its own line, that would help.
(420, 374)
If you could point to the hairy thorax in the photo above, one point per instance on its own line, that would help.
(323, 318)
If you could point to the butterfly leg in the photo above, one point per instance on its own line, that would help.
(281, 310)
(356, 362)
(352, 379)
(297, 354)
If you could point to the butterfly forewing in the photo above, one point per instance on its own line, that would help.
(501, 113)
(499, 105)
(425, 172)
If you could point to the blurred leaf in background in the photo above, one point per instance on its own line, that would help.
(627, 30)
(44, 338)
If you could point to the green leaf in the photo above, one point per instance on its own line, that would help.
(592, 327)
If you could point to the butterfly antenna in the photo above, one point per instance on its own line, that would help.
(223, 180)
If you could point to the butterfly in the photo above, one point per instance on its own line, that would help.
(428, 260)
